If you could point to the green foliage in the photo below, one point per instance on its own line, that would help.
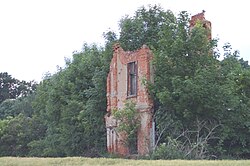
(144, 27)
(13, 107)
(128, 123)
(73, 103)
(17, 132)
(169, 151)
(3, 124)
(235, 119)
(6, 109)
(190, 83)
(17, 126)
(11, 88)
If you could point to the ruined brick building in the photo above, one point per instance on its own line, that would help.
(128, 69)
(125, 82)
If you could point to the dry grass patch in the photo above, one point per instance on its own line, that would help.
(81, 161)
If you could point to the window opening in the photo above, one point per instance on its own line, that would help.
(132, 79)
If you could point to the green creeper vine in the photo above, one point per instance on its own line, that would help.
(128, 123)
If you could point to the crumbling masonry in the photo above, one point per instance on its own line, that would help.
(122, 85)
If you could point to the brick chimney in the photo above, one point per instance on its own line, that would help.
(205, 23)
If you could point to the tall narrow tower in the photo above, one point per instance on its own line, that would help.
(128, 70)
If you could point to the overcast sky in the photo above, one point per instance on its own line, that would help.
(36, 35)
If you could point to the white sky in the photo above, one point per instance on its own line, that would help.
(36, 35)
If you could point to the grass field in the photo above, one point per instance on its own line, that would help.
(77, 161)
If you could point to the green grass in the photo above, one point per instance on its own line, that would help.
(77, 161)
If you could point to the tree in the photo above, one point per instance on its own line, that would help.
(144, 27)
(11, 88)
(190, 84)
(17, 133)
(8, 88)
(196, 86)
(72, 103)
(6, 109)
(18, 126)
(235, 131)
(13, 107)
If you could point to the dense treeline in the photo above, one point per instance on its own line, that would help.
(201, 103)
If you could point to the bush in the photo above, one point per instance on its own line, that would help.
(171, 150)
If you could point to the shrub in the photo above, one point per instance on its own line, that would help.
(171, 150)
